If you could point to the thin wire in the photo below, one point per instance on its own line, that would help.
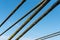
(36, 12)
(49, 36)
(12, 12)
(39, 19)
(20, 19)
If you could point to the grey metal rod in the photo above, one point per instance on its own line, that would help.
(49, 36)
(21, 18)
(12, 12)
(36, 12)
(39, 19)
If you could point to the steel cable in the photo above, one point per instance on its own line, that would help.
(36, 12)
(39, 19)
(12, 12)
(21, 18)
(49, 36)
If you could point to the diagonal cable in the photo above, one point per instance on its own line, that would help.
(36, 12)
(49, 36)
(39, 19)
(21, 18)
(12, 12)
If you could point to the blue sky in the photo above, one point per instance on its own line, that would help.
(47, 25)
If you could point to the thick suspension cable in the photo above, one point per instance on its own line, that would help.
(39, 19)
(21, 18)
(36, 12)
